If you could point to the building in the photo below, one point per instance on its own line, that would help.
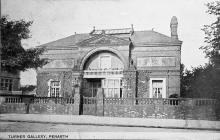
(123, 62)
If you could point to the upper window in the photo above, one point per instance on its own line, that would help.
(6, 84)
(54, 90)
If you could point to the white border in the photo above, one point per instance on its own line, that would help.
(164, 87)
(49, 86)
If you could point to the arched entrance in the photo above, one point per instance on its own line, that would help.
(103, 68)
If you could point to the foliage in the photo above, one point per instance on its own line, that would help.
(14, 57)
(212, 34)
(27, 88)
(203, 81)
(200, 82)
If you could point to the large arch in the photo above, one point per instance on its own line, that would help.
(116, 52)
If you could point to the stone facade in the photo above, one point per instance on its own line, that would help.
(123, 62)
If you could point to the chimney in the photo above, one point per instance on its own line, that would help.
(173, 27)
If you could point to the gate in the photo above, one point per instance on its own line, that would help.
(89, 106)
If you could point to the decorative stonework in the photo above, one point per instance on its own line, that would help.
(100, 49)
(104, 39)
(155, 61)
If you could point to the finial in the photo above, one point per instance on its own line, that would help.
(103, 31)
(132, 29)
(75, 33)
(174, 21)
(94, 28)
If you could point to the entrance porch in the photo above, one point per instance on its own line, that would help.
(109, 80)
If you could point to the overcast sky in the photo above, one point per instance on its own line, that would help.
(55, 19)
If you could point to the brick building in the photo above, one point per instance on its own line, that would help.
(123, 62)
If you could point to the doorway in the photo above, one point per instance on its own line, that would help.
(91, 87)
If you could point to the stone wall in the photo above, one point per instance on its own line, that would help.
(13, 108)
(66, 82)
(195, 109)
(142, 84)
(172, 82)
(52, 108)
(158, 109)
(40, 105)
(129, 81)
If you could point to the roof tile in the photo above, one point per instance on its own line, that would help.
(138, 37)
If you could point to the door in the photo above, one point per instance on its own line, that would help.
(91, 87)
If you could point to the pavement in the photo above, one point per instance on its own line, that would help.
(112, 121)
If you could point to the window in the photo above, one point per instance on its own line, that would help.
(105, 62)
(6, 84)
(157, 88)
(54, 90)
(112, 88)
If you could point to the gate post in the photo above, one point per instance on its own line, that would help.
(76, 110)
(100, 102)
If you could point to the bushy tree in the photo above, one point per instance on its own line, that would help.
(204, 81)
(200, 82)
(14, 57)
(212, 35)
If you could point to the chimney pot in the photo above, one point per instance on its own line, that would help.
(173, 27)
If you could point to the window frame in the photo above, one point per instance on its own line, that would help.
(107, 87)
(164, 92)
(6, 86)
(50, 86)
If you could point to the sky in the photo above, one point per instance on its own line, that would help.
(55, 19)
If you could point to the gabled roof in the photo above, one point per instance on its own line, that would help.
(148, 37)
(152, 37)
(101, 39)
(67, 41)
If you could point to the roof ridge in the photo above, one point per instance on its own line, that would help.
(112, 29)
(155, 32)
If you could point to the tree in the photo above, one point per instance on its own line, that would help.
(27, 88)
(14, 57)
(203, 81)
(212, 35)
(200, 82)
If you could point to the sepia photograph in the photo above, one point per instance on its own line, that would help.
(110, 69)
